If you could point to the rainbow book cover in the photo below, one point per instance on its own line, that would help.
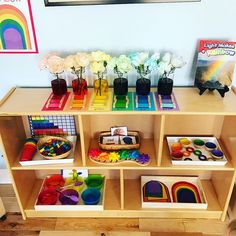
(215, 65)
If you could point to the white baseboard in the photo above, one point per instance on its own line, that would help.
(4, 177)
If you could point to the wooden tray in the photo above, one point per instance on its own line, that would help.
(111, 147)
(169, 181)
(80, 206)
(194, 159)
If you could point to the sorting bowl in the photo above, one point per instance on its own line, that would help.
(69, 197)
(54, 181)
(47, 197)
(91, 196)
(198, 143)
(217, 154)
(94, 181)
(210, 146)
(76, 184)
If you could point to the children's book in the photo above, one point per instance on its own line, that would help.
(215, 65)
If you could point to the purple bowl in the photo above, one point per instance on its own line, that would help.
(218, 154)
(69, 197)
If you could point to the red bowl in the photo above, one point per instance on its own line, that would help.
(47, 197)
(54, 182)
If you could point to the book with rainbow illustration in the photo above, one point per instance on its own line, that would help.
(215, 65)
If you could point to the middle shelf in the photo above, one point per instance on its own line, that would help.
(153, 131)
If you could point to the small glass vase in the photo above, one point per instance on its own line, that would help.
(79, 86)
(59, 86)
(165, 86)
(100, 86)
(120, 86)
(143, 86)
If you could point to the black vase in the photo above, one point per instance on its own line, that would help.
(59, 86)
(120, 86)
(165, 86)
(143, 86)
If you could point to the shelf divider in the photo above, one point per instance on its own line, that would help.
(122, 189)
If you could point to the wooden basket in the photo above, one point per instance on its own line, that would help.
(45, 139)
(113, 147)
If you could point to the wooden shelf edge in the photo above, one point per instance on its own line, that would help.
(7, 95)
(127, 214)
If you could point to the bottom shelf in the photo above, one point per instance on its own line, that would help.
(132, 204)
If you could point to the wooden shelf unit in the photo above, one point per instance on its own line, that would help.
(206, 115)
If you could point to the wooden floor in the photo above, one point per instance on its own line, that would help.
(14, 225)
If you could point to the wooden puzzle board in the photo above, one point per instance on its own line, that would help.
(169, 181)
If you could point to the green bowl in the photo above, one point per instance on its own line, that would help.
(94, 181)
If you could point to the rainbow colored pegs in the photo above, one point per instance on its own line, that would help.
(54, 147)
(29, 149)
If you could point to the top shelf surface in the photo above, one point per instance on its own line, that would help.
(29, 101)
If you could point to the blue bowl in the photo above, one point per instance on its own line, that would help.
(91, 196)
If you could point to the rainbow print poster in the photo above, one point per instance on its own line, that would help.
(215, 65)
(17, 33)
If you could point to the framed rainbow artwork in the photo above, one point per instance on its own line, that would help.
(17, 32)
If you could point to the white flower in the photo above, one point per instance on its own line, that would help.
(100, 56)
(169, 63)
(82, 59)
(122, 64)
(138, 59)
(70, 62)
(112, 63)
(43, 63)
(55, 64)
(177, 61)
(143, 56)
(166, 58)
(97, 66)
(164, 68)
(156, 56)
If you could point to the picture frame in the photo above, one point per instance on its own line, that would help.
(17, 32)
(119, 131)
(50, 3)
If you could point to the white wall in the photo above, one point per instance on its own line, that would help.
(120, 28)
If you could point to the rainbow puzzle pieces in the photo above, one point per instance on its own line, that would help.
(55, 102)
(172, 192)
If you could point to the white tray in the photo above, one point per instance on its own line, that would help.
(79, 207)
(169, 181)
(39, 160)
(195, 160)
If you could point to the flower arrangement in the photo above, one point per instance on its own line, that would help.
(99, 62)
(76, 64)
(120, 65)
(98, 66)
(168, 63)
(167, 66)
(55, 65)
(144, 64)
